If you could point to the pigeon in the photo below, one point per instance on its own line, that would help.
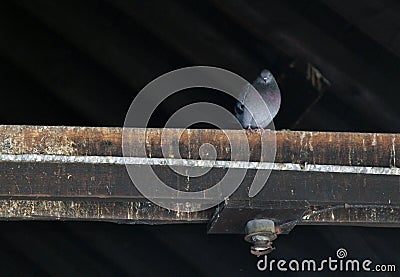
(250, 110)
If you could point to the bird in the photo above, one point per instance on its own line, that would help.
(250, 110)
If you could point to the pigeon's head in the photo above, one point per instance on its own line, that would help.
(266, 75)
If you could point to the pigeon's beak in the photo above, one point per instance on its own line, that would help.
(267, 78)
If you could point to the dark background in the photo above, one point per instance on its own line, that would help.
(82, 62)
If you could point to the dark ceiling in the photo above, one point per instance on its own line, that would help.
(82, 63)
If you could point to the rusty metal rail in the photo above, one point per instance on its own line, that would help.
(78, 173)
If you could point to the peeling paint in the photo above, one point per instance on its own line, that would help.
(364, 146)
(302, 136)
(394, 150)
(374, 140)
(349, 155)
(310, 143)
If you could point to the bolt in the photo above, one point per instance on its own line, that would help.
(260, 233)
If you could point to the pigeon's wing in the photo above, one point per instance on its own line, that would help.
(243, 94)
(258, 109)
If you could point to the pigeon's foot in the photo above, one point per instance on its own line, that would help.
(251, 129)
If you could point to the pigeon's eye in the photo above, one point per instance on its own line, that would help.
(239, 108)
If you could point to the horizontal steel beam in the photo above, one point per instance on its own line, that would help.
(79, 173)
